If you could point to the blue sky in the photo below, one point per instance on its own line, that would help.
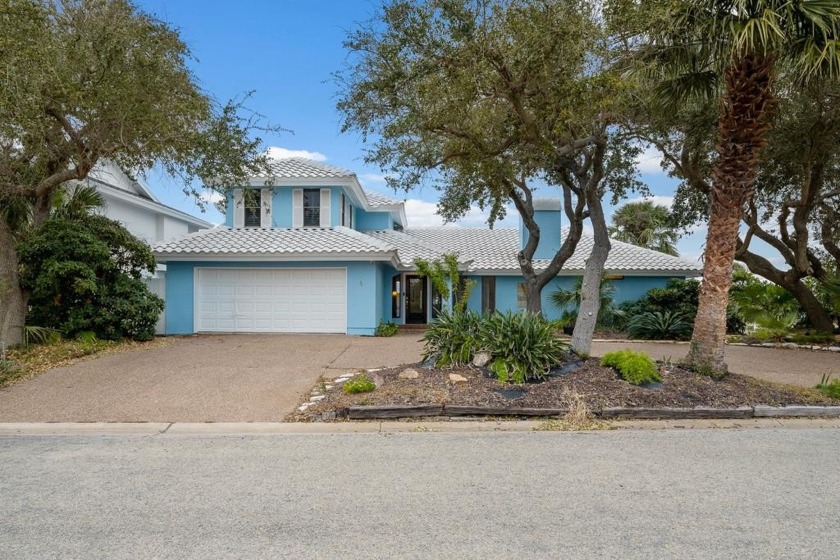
(285, 52)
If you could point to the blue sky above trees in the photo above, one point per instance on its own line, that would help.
(285, 52)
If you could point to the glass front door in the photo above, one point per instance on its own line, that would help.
(415, 299)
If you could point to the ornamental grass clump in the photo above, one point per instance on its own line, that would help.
(523, 345)
(634, 367)
(453, 338)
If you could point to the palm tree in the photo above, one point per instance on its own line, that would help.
(645, 224)
(732, 50)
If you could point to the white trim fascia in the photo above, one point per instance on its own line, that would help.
(160, 208)
(319, 257)
(578, 272)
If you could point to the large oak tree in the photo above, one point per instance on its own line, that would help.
(486, 99)
(84, 80)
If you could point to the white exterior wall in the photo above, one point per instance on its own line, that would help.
(142, 223)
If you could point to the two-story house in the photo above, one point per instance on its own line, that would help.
(309, 250)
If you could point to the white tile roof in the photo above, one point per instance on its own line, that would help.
(408, 247)
(496, 249)
(375, 199)
(295, 168)
(258, 242)
(481, 250)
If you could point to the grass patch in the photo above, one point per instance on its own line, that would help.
(828, 387)
(359, 384)
(578, 418)
(25, 362)
(634, 367)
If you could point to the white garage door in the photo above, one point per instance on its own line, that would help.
(310, 300)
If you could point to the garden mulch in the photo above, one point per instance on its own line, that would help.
(599, 386)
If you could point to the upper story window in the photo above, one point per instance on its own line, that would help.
(311, 207)
(252, 206)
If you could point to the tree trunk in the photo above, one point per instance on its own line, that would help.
(590, 290)
(791, 281)
(744, 121)
(709, 337)
(12, 298)
(533, 295)
(817, 314)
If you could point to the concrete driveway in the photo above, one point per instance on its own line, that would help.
(207, 378)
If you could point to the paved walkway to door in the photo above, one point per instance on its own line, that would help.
(205, 378)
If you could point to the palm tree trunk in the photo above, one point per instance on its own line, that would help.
(709, 338)
(12, 297)
(744, 121)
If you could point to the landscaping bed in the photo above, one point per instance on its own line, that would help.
(598, 386)
(25, 362)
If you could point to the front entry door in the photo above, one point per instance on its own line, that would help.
(415, 300)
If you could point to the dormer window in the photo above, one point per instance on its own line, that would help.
(311, 207)
(252, 208)
(252, 205)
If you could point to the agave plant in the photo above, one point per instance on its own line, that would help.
(662, 325)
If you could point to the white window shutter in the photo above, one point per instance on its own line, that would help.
(265, 208)
(297, 208)
(326, 215)
(238, 209)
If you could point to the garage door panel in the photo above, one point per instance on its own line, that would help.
(271, 300)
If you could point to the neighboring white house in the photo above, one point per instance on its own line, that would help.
(132, 203)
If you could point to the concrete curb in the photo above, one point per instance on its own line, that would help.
(338, 428)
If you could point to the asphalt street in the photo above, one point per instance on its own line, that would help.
(769, 493)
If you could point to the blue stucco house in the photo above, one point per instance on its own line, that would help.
(309, 250)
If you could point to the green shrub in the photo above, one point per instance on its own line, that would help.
(659, 325)
(386, 329)
(829, 388)
(813, 338)
(523, 345)
(453, 338)
(86, 275)
(568, 301)
(634, 367)
(359, 384)
(681, 296)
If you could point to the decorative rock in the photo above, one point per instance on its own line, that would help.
(834, 348)
(790, 345)
(481, 359)
(316, 398)
(409, 373)
(304, 406)
(455, 378)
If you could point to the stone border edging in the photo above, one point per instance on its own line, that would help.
(758, 411)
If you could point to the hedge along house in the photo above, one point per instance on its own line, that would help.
(314, 252)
